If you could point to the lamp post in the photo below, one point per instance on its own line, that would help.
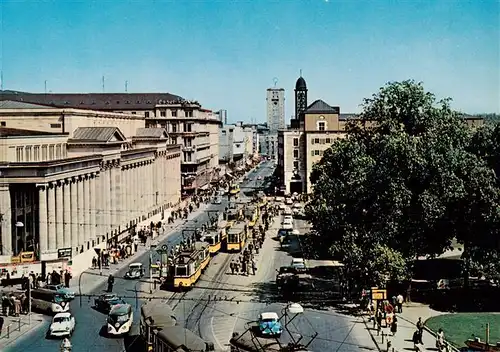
(19, 225)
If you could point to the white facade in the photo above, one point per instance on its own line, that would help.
(268, 145)
(275, 109)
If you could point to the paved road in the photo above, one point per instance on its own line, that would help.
(336, 332)
(88, 334)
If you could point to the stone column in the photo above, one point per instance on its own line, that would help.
(107, 192)
(59, 215)
(120, 211)
(135, 192)
(74, 220)
(81, 211)
(112, 196)
(164, 172)
(6, 223)
(151, 183)
(42, 220)
(86, 208)
(66, 185)
(51, 210)
(128, 194)
(98, 205)
(93, 195)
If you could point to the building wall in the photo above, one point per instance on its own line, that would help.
(55, 120)
(80, 202)
(331, 122)
(197, 131)
(316, 143)
(275, 101)
(33, 148)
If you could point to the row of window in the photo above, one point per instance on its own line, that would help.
(322, 141)
(317, 152)
(40, 153)
(163, 113)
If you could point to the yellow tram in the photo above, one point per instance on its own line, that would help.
(236, 237)
(214, 240)
(252, 215)
(234, 213)
(188, 265)
(234, 189)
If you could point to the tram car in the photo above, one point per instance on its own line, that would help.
(186, 269)
(236, 237)
(234, 189)
(214, 240)
(204, 249)
(177, 338)
(252, 215)
(155, 316)
(234, 213)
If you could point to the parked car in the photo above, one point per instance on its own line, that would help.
(135, 271)
(217, 200)
(259, 178)
(63, 324)
(104, 302)
(64, 291)
(269, 324)
(287, 224)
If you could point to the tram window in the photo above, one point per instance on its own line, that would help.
(232, 238)
(209, 240)
(181, 270)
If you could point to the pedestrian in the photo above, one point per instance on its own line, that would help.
(111, 281)
(394, 326)
(420, 327)
(400, 300)
(232, 268)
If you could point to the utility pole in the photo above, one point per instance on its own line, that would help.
(153, 246)
(29, 300)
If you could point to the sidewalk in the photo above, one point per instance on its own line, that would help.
(407, 320)
(15, 327)
(90, 279)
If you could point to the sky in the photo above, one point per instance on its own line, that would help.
(226, 53)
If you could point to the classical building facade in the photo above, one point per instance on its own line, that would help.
(75, 190)
(194, 128)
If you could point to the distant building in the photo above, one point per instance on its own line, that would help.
(236, 145)
(186, 122)
(275, 109)
(313, 130)
(78, 179)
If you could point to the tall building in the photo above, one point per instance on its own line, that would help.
(275, 109)
(77, 179)
(194, 128)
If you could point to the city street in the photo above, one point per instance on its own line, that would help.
(257, 294)
(88, 334)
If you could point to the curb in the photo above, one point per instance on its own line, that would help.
(371, 334)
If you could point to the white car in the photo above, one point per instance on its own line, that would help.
(297, 206)
(63, 324)
(288, 218)
(279, 199)
(288, 201)
(287, 224)
(298, 264)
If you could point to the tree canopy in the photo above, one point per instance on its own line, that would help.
(409, 178)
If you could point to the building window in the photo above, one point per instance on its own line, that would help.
(321, 126)
(188, 113)
(328, 141)
(296, 153)
(174, 113)
(133, 113)
(146, 114)
(174, 140)
(296, 165)
(19, 153)
(188, 127)
(295, 142)
(44, 152)
(55, 125)
(36, 153)
(163, 113)
(316, 141)
(3, 123)
(51, 152)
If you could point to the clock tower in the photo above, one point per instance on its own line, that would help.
(300, 98)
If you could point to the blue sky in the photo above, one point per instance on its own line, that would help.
(226, 53)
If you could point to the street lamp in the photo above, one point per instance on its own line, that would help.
(19, 225)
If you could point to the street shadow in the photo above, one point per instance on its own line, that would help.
(265, 292)
(134, 343)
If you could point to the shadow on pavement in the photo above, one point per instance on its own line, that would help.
(134, 343)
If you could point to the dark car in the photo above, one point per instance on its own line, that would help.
(104, 302)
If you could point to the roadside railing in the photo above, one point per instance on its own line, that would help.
(13, 326)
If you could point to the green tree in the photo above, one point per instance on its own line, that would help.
(398, 186)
